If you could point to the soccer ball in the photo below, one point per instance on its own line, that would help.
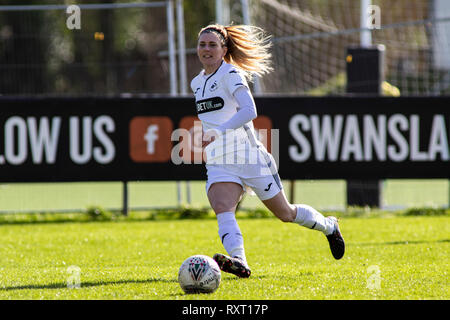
(199, 274)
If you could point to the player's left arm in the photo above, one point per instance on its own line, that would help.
(246, 110)
(237, 86)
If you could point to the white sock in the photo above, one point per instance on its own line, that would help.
(231, 235)
(311, 218)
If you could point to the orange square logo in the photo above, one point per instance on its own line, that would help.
(193, 152)
(263, 128)
(150, 139)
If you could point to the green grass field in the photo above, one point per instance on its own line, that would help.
(140, 259)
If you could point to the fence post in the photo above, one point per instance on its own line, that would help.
(178, 193)
(125, 198)
(188, 192)
(292, 192)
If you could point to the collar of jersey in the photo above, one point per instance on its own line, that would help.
(211, 74)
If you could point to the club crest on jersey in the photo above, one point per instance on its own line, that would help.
(211, 104)
(214, 87)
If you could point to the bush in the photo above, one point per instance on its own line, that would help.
(99, 214)
(192, 213)
(427, 212)
(180, 213)
(259, 213)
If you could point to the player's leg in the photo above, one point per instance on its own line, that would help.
(308, 217)
(266, 183)
(224, 197)
(269, 189)
(301, 214)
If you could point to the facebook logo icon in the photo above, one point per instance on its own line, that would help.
(151, 136)
(150, 139)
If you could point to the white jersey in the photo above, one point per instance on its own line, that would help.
(216, 104)
(242, 158)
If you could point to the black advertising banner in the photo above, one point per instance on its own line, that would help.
(128, 139)
(362, 138)
(89, 139)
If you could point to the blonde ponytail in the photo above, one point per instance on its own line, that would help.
(248, 47)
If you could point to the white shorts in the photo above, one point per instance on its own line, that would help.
(261, 177)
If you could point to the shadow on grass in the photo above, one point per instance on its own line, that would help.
(85, 284)
(227, 278)
(234, 278)
(63, 285)
(403, 242)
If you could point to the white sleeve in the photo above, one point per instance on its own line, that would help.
(246, 111)
(235, 80)
(194, 85)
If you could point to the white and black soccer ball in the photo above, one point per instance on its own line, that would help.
(199, 274)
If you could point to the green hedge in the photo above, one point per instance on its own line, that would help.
(98, 214)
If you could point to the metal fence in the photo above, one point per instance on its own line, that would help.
(90, 49)
(134, 48)
(311, 37)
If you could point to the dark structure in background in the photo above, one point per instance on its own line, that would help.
(365, 77)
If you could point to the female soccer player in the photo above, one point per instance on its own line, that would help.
(235, 159)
